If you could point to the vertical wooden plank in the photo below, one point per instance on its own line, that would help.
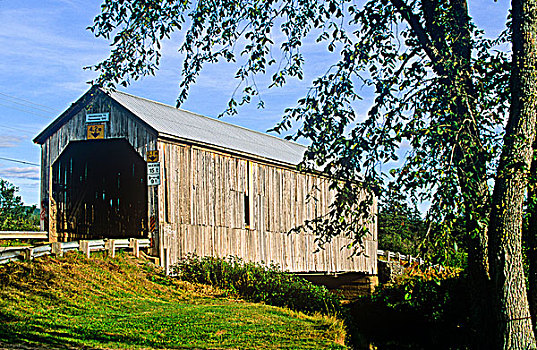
(251, 194)
(217, 191)
(187, 184)
(52, 234)
(194, 203)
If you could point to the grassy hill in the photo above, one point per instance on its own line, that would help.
(124, 303)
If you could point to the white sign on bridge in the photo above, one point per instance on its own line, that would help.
(97, 117)
(153, 174)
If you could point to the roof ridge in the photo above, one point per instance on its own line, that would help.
(203, 116)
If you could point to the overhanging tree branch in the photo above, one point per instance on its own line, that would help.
(414, 22)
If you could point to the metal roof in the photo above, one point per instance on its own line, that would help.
(175, 122)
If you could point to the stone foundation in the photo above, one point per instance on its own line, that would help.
(389, 270)
(349, 285)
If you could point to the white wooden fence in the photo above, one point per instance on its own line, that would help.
(111, 245)
(23, 235)
(8, 254)
(388, 256)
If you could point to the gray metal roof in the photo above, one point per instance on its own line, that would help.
(171, 121)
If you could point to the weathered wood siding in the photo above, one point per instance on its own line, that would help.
(121, 125)
(204, 197)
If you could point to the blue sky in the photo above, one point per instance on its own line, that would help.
(44, 45)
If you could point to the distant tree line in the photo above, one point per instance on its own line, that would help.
(402, 228)
(14, 215)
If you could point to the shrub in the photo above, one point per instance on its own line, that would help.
(420, 311)
(258, 282)
(436, 300)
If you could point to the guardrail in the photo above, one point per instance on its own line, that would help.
(8, 254)
(23, 235)
(387, 255)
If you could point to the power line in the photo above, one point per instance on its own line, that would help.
(18, 161)
(17, 129)
(26, 111)
(30, 102)
(25, 105)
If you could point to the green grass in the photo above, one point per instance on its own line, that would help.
(123, 303)
(14, 243)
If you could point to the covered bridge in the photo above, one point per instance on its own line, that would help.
(116, 165)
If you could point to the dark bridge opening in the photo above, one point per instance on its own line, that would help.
(100, 191)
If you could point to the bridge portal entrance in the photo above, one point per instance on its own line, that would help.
(99, 190)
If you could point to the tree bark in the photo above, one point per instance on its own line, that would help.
(532, 273)
(472, 174)
(530, 237)
(513, 319)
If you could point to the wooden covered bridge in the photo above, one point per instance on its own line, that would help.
(116, 165)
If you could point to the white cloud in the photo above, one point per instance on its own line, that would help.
(29, 173)
(38, 45)
(9, 141)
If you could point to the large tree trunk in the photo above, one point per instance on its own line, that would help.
(469, 155)
(515, 329)
(472, 173)
(532, 273)
(530, 237)
(453, 65)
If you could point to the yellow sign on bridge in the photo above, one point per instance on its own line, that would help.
(95, 131)
(152, 156)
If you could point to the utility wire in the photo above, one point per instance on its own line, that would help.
(30, 102)
(26, 111)
(18, 129)
(26, 105)
(18, 161)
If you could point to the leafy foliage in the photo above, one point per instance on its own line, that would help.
(435, 300)
(14, 216)
(258, 283)
(440, 86)
(425, 309)
(402, 229)
(440, 306)
(400, 226)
